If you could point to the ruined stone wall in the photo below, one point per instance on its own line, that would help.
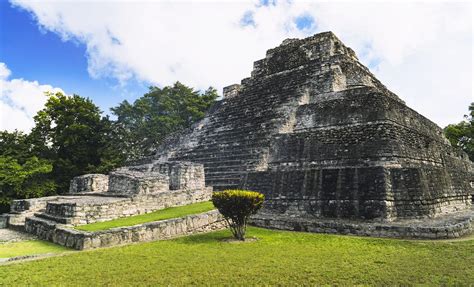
(89, 183)
(88, 209)
(22, 208)
(146, 177)
(133, 182)
(360, 192)
(360, 154)
(182, 175)
(159, 230)
(452, 228)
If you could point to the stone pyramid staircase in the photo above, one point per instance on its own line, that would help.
(237, 133)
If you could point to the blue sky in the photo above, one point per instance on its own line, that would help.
(35, 54)
(111, 51)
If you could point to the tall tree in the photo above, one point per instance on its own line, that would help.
(143, 125)
(461, 135)
(71, 133)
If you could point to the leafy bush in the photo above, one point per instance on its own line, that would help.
(237, 206)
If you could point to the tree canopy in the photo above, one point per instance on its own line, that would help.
(71, 133)
(461, 135)
(143, 125)
(71, 138)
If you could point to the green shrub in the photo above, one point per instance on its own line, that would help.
(237, 206)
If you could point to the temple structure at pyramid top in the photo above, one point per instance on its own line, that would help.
(320, 136)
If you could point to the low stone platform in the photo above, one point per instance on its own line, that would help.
(127, 191)
(451, 226)
(65, 235)
(86, 209)
(82, 209)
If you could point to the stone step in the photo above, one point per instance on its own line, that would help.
(235, 147)
(224, 170)
(223, 157)
(217, 156)
(54, 218)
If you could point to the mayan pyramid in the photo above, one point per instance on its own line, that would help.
(319, 135)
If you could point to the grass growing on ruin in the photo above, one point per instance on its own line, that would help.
(30, 247)
(277, 258)
(167, 213)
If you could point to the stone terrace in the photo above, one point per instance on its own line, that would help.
(125, 192)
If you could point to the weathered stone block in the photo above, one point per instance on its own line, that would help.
(186, 176)
(89, 183)
(231, 91)
(135, 182)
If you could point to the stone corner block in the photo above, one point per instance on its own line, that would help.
(89, 183)
(135, 182)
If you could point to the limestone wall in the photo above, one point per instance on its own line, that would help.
(450, 228)
(157, 177)
(89, 183)
(132, 182)
(360, 192)
(360, 154)
(159, 230)
(182, 175)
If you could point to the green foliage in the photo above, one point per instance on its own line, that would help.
(22, 173)
(143, 125)
(237, 206)
(23, 180)
(278, 258)
(71, 133)
(16, 144)
(461, 135)
(167, 213)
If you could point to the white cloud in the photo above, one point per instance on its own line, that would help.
(421, 51)
(20, 100)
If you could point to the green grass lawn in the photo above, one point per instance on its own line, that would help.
(167, 213)
(30, 247)
(277, 258)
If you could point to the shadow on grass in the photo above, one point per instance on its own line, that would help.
(206, 238)
(219, 237)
